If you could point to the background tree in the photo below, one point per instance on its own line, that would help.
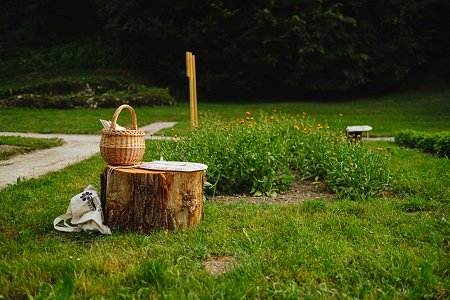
(250, 48)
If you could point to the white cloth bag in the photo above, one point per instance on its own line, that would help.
(85, 210)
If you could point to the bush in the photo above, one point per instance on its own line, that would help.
(429, 142)
(88, 94)
(442, 144)
(263, 154)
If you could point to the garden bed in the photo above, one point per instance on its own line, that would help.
(83, 93)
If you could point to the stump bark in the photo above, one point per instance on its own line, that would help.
(141, 200)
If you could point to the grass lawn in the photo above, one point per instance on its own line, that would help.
(389, 247)
(394, 247)
(13, 145)
(424, 110)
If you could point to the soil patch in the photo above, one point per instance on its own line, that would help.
(219, 264)
(297, 193)
(10, 148)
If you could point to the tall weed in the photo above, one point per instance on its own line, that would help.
(263, 154)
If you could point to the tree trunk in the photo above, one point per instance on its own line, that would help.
(141, 200)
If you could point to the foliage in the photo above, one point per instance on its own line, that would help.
(430, 142)
(261, 155)
(97, 93)
(25, 145)
(247, 48)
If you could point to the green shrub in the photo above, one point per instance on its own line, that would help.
(430, 142)
(263, 154)
(95, 93)
(442, 144)
(426, 142)
(408, 138)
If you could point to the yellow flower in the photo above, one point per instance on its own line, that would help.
(296, 127)
(247, 113)
(272, 117)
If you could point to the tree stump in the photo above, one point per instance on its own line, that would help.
(142, 200)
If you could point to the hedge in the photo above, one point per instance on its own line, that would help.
(438, 143)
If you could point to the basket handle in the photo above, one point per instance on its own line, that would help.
(116, 115)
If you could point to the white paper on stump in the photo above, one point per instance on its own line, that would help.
(176, 166)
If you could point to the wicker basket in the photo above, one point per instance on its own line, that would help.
(122, 147)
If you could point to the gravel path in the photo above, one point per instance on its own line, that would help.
(77, 147)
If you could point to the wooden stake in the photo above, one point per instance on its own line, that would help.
(194, 79)
(190, 73)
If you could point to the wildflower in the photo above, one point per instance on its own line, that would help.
(340, 115)
(304, 113)
(272, 117)
(173, 129)
(247, 113)
(332, 143)
(319, 126)
(296, 127)
(380, 149)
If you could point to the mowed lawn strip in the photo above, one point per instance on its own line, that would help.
(422, 109)
(12, 145)
(390, 247)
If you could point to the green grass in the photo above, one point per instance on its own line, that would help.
(395, 247)
(25, 145)
(425, 110)
(389, 247)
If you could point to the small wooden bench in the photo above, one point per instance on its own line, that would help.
(357, 131)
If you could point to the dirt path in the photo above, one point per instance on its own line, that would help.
(77, 147)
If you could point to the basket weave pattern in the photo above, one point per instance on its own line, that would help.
(122, 147)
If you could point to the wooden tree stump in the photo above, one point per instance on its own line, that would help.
(141, 200)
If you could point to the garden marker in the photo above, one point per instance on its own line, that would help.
(190, 73)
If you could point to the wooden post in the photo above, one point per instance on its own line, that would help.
(141, 200)
(194, 79)
(190, 73)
